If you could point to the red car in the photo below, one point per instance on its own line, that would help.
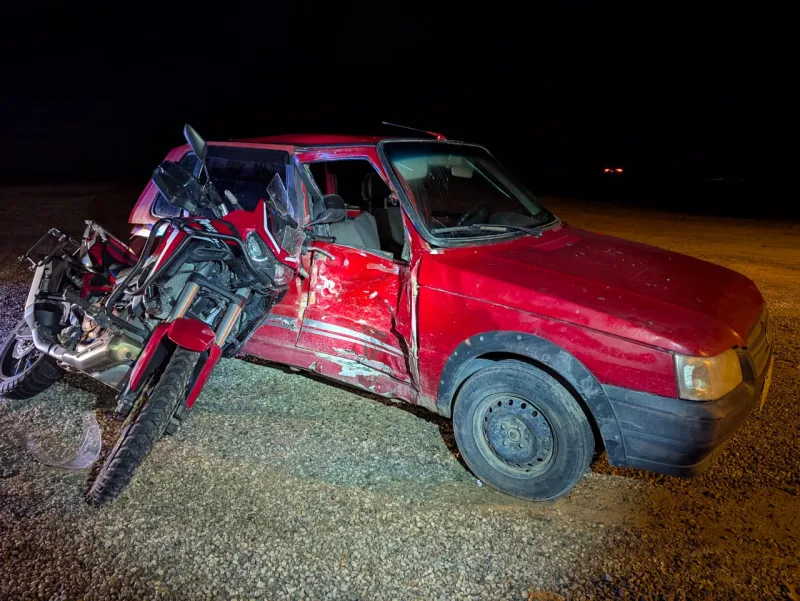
(450, 286)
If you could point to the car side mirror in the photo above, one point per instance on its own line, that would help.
(334, 211)
(197, 143)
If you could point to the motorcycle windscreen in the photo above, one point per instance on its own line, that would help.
(244, 171)
(84, 456)
(285, 228)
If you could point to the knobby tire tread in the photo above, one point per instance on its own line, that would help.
(148, 427)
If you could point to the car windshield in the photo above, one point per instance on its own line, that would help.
(459, 190)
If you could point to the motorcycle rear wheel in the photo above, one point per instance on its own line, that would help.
(146, 426)
(24, 371)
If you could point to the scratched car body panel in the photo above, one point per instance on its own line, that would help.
(613, 313)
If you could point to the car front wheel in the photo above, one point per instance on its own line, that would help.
(520, 431)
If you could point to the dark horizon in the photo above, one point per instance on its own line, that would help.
(676, 101)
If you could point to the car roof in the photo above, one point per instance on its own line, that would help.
(315, 139)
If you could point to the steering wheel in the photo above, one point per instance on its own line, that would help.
(479, 212)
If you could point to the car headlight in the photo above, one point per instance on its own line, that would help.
(707, 378)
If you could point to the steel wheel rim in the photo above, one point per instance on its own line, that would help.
(514, 435)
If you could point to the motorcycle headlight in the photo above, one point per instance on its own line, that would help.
(264, 260)
(707, 378)
(257, 249)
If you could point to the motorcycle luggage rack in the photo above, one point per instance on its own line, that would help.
(63, 241)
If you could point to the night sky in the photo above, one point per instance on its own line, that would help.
(682, 95)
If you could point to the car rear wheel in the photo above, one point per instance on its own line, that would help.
(520, 431)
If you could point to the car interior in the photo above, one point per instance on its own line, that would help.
(374, 219)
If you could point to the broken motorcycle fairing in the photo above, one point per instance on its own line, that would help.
(83, 457)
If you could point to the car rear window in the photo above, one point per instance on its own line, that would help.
(244, 171)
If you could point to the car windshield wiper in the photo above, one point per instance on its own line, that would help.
(486, 227)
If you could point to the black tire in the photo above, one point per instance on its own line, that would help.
(138, 438)
(520, 431)
(25, 377)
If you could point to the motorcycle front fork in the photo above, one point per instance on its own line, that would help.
(127, 398)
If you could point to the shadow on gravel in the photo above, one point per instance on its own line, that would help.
(444, 425)
(599, 463)
(106, 397)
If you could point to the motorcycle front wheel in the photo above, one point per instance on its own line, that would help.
(146, 426)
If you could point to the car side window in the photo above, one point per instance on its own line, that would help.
(375, 220)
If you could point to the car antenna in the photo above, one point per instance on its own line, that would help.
(436, 135)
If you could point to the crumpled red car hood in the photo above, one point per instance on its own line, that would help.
(628, 289)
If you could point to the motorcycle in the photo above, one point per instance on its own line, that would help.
(153, 324)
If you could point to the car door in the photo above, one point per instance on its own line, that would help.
(351, 319)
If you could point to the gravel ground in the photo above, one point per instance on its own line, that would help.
(284, 487)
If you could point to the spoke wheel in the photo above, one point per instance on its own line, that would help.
(24, 371)
(145, 424)
(21, 355)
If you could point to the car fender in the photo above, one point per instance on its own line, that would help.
(467, 358)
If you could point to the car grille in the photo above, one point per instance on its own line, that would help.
(760, 341)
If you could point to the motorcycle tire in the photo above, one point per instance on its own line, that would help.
(38, 372)
(148, 425)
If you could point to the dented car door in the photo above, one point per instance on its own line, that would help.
(351, 316)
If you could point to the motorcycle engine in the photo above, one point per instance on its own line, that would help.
(158, 300)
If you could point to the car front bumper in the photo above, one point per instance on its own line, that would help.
(683, 438)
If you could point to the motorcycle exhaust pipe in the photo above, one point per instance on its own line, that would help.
(103, 354)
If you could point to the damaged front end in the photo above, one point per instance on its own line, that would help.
(65, 326)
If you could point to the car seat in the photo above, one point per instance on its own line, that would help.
(361, 232)
(388, 219)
